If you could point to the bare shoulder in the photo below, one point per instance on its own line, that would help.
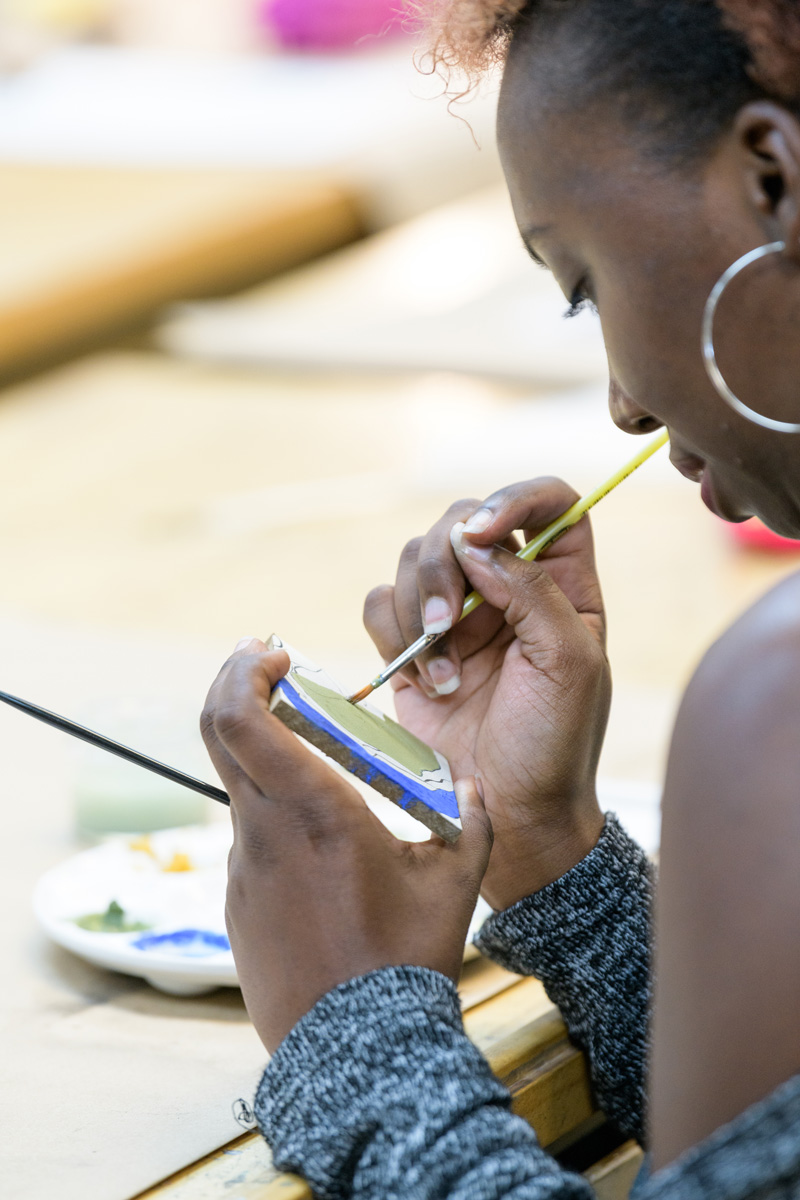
(754, 662)
(737, 734)
(729, 912)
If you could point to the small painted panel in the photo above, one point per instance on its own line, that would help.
(367, 743)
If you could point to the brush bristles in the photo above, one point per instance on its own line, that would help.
(357, 697)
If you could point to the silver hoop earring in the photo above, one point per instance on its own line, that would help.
(709, 354)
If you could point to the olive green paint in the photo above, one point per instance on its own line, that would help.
(380, 732)
(110, 921)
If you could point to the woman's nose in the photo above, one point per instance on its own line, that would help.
(627, 414)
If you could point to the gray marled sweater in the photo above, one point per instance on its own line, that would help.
(377, 1093)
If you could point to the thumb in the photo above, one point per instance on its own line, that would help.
(475, 844)
(540, 614)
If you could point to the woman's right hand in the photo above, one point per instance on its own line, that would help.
(523, 683)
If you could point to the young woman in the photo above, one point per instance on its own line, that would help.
(648, 145)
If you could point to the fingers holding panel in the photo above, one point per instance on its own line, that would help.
(460, 867)
(260, 760)
(226, 765)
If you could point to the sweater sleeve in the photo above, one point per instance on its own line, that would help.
(587, 938)
(378, 1092)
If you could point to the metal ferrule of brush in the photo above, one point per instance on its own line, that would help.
(414, 650)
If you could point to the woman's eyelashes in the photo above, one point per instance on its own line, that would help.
(579, 300)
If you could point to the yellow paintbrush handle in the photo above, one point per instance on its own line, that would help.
(571, 517)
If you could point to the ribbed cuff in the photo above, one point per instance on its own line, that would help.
(589, 901)
(379, 1055)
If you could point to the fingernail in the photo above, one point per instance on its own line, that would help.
(479, 521)
(438, 616)
(481, 553)
(245, 641)
(479, 787)
(425, 678)
(444, 675)
(456, 537)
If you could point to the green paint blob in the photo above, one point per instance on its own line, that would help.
(378, 731)
(110, 921)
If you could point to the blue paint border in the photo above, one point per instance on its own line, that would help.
(449, 806)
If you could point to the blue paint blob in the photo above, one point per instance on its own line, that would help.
(188, 943)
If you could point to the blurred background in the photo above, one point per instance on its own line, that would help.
(264, 314)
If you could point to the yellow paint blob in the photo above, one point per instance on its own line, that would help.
(143, 845)
(372, 728)
(180, 862)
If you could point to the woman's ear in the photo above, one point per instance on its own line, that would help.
(768, 138)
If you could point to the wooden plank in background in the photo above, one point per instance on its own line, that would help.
(87, 252)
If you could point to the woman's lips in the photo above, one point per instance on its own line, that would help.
(707, 495)
(697, 471)
(690, 467)
(712, 502)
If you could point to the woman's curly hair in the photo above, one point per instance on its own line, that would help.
(682, 68)
(771, 29)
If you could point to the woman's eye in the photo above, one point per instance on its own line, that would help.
(578, 301)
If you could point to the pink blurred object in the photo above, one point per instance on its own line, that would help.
(329, 24)
(755, 535)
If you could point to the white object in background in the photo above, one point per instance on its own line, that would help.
(211, 26)
(451, 290)
(368, 117)
(638, 806)
(514, 332)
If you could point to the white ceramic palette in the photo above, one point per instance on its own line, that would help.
(185, 951)
(185, 948)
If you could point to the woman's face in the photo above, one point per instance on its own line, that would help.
(646, 243)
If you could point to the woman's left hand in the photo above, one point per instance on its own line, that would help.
(318, 890)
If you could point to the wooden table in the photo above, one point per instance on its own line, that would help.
(526, 1043)
(87, 252)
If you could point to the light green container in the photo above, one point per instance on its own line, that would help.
(115, 796)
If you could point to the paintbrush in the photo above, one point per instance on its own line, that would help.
(104, 743)
(541, 542)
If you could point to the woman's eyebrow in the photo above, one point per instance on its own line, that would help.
(531, 234)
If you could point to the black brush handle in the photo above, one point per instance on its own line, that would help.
(104, 743)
